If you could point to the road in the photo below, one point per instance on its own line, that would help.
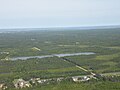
(78, 66)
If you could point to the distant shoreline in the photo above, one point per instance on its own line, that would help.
(61, 28)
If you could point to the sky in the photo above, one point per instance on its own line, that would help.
(58, 13)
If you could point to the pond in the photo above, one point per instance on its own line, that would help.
(52, 55)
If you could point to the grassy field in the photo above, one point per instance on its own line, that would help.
(77, 86)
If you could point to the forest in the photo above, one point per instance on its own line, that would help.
(105, 43)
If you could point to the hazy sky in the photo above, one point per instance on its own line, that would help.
(50, 13)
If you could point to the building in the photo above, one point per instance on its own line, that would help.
(20, 83)
(80, 78)
(3, 86)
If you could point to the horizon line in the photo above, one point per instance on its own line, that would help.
(60, 27)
